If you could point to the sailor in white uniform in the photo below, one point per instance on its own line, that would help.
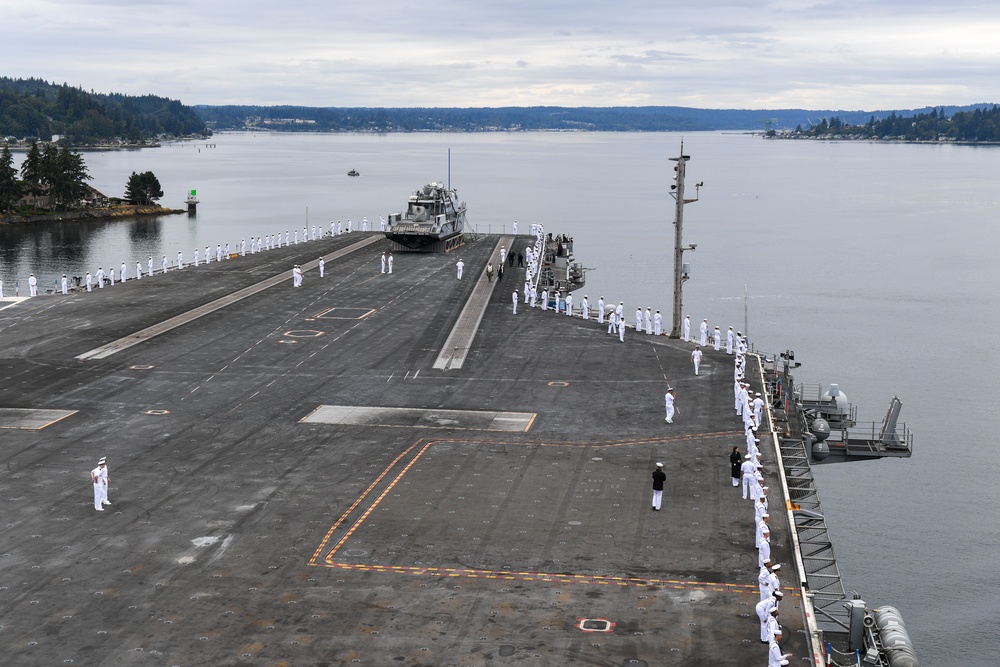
(717, 338)
(704, 332)
(696, 359)
(163, 264)
(748, 473)
(612, 323)
(111, 276)
(33, 285)
(180, 260)
(197, 257)
(218, 253)
(585, 308)
(460, 265)
(383, 264)
(533, 295)
(648, 321)
(123, 275)
(64, 285)
(296, 276)
(88, 279)
(600, 310)
(322, 266)
(99, 476)
(389, 262)
(545, 299)
(758, 408)
(669, 400)
(657, 323)
(621, 328)
(638, 320)
(100, 278)
(138, 270)
(729, 341)
(513, 298)
(527, 287)
(686, 330)
(569, 305)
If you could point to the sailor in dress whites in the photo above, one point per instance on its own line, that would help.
(164, 264)
(197, 257)
(717, 338)
(638, 320)
(218, 253)
(657, 323)
(389, 262)
(123, 274)
(64, 285)
(569, 305)
(600, 310)
(514, 299)
(585, 308)
(686, 329)
(460, 265)
(383, 263)
(703, 329)
(612, 323)
(99, 476)
(180, 260)
(545, 299)
(696, 359)
(749, 471)
(138, 270)
(33, 285)
(322, 265)
(100, 278)
(515, 228)
(111, 276)
(729, 341)
(296, 276)
(208, 255)
(669, 400)
(621, 328)
(88, 279)
(648, 321)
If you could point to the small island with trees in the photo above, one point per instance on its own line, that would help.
(52, 185)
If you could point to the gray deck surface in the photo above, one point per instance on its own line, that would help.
(242, 533)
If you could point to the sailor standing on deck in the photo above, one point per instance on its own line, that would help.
(63, 284)
(612, 323)
(390, 262)
(600, 310)
(764, 550)
(658, 479)
(138, 270)
(638, 320)
(569, 305)
(669, 400)
(197, 258)
(648, 321)
(762, 579)
(88, 279)
(696, 359)
(513, 297)
(748, 470)
(686, 329)
(621, 328)
(773, 583)
(527, 288)
(100, 278)
(208, 255)
(99, 476)
(180, 260)
(163, 265)
(111, 276)
(33, 285)
(534, 295)
(460, 265)
(383, 264)
(515, 228)
(729, 341)
(545, 299)
(717, 338)
(620, 313)
(774, 654)
(322, 266)
(585, 308)
(703, 329)
(657, 323)
(296, 276)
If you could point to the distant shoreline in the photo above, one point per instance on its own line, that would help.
(111, 213)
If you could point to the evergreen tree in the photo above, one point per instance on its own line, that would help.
(143, 189)
(10, 187)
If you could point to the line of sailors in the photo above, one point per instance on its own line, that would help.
(257, 244)
(751, 411)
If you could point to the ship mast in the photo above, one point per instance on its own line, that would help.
(680, 269)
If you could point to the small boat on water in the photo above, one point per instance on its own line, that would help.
(433, 220)
(353, 172)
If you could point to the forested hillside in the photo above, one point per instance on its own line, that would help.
(35, 108)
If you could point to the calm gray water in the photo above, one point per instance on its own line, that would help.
(875, 263)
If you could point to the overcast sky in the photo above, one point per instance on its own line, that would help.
(836, 54)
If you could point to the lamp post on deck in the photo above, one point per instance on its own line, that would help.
(680, 274)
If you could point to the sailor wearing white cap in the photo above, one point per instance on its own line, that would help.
(620, 312)
(669, 399)
(686, 329)
(197, 257)
(762, 578)
(600, 310)
(638, 320)
(774, 655)
(88, 278)
(513, 298)
(658, 479)
(763, 609)
(585, 308)
(762, 527)
(696, 359)
(758, 407)
(569, 305)
(657, 323)
(764, 550)
(99, 476)
(100, 277)
(63, 285)
(729, 341)
(703, 329)
(296, 276)
(748, 471)
(716, 338)
(773, 583)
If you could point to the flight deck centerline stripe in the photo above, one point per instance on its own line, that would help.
(212, 306)
(459, 342)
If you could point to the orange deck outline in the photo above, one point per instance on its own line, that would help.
(503, 574)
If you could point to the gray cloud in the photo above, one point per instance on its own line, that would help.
(742, 53)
